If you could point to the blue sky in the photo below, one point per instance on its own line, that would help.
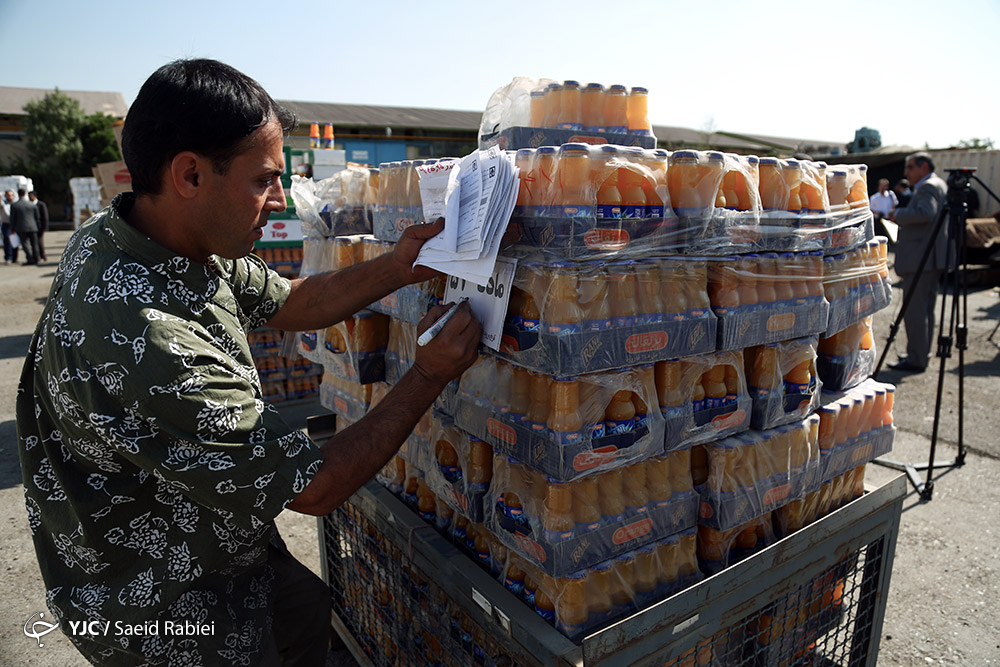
(805, 68)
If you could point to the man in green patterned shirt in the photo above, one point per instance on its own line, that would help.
(152, 467)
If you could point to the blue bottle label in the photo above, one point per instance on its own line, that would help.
(596, 430)
(698, 406)
(427, 516)
(631, 212)
(548, 614)
(596, 325)
(641, 419)
(514, 586)
(796, 388)
(483, 558)
(612, 519)
(451, 473)
(557, 536)
(570, 630)
(654, 211)
(582, 528)
(567, 437)
(623, 322)
(617, 427)
(609, 211)
(616, 129)
(562, 329)
(571, 126)
(531, 325)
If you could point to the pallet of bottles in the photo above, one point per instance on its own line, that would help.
(856, 284)
(783, 382)
(856, 426)
(273, 368)
(847, 358)
(339, 205)
(285, 260)
(460, 467)
(293, 389)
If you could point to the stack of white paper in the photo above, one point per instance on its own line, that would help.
(475, 196)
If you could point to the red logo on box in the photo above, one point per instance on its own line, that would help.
(705, 511)
(530, 548)
(632, 531)
(122, 176)
(501, 431)
(596, 141)
(732, 419)
(776, 494)
(781, 322)
(864, 304)
(403, 223)
(390, 301)
(595, 457)
(278, 225)
(606, 239)
(340, 404)
(646, 342)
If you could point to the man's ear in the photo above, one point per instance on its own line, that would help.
(186, 173)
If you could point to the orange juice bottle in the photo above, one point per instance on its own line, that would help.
(767, 266)
(538, 410)
(797, 271)
(571, 605)
(878, 408)
(666, 555)
(650, 307)
(857, 196)
(714, 383)
(837, 189)
(674, 303)
(586, 505)
(655, 186)
(314, 141)
(524, 160)
(514, 575)
(729, 184)
(426, 501)
(668, 376)
(480, 463)
(573, 171)
(557, 516)
(327, 136)
(732, 379)
(813, 187)
(682, 182)
(637, 112)
(616, 110)
(681, 466)
(547, 192)
(695, 285)
(814, 280)
(612, 496)
(630, 186)
(636, 495)
(599, 592)
(762, 376)
(746, 272)
(551, 105)
(570, 107)
(623, 596)
(647, 382)
(646, 571)
(723, 285)
(565, 421)
(890, 395)
(783, 277)
(536, 108)
(698, 395)
(561, 312)
(773, 191)
(799, 379)
(791, 172)
(592, 107)
(447, 459)
(658, 481)
(619, 416)
(712, 178)
(604, 180)
(624, 300)
(594, 302)
(544, 605)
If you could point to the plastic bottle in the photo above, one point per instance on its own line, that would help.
(723, 285)
(732, 380)
(619, 416)
(647, 384)
(637, 112)
(616, 110)
(565, 421)
(813, 187)
(586, 505)
(668, 375)
(747, 270)
(530, 587)
(314, 141)
(680, 471)
(530, 318)
(605, 184)
(630, 186)
(561, 312)
(480, 464)
(655, 186)
(682, 183)
(598, 590)
(447, 459)
(426, 502)
(636, 495)
(536, 108)
(551, 105)
(666, 556)
(592, 107)
(557, 517)
(612, 496)
(514, 576)
(797, 269)
(524, 160)
(714, 383)
(878, 408)
(623, 596)
(713, 178)
(650, 307)
(857, 196)
(767, 267)
(837, 189)
(544, 606)
(624, 301)
(698, 395)
(674, 303)
(573, 170)
(596, 306)
(570, 107)
(538, 410)
(696, 292)
(815, 276)
(799, 379)
(571, 606)
(773, 191)
(520, 393)
(763, 371)
(791, 172)
(592, 409)
(783, 277)
(547, 192)
(658, 490)
(481, 547)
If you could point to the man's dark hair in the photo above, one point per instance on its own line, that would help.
(32, 193)
(904, 182)
(21, 193)
(922, 158)
(199, 105)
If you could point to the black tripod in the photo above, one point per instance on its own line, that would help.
(955, 211)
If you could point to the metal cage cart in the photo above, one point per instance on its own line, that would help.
(404, 595)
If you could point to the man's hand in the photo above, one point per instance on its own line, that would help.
(451, 351)
(408, 247)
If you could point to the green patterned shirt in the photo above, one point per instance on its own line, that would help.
(153, 469)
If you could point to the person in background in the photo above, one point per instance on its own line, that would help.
(9, 247)
(153, 468)
(916, 223)
(24, 221)
(43, 223)
(883, 202)
(903, 192)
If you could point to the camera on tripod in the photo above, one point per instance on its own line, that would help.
(959, 184)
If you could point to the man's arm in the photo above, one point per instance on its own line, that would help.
(354, 455)
(922, 209)
(327, 298)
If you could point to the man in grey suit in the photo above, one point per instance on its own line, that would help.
(916, 224)
(24, 220)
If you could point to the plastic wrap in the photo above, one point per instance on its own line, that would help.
(543, 112)
(766, 298)
(855, 426)
(562, 527)
(569, 318)
(339, 205)
(702, 398)
(462, 468)
(832, 495)
(856, 284)
(398, 204)
(411, 302)
(742, 477)
(847, 358)
(584, 601)
(355, 348)
(718, 549)
(783, 381)
(400, 355)
(345, 398)
(565, 426)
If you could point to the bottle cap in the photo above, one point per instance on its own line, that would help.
(769, 160)
(617, 88)
(574, 147)
(546, 150)
(753, 159)
(639, 90)
(523, 152)
(594, 87)
(685, 155)
(715, 155)
(570, 83)
(540, 92)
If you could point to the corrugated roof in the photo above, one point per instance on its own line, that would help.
(380, 116)
(12, 100)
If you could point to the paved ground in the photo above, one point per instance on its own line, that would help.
(943, 602)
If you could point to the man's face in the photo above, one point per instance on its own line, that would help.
(883, 186)
(914, 172)
(240, 201)
(9, 196)
(32, 196)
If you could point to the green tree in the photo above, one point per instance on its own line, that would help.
(63, 143)
(976, 143)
